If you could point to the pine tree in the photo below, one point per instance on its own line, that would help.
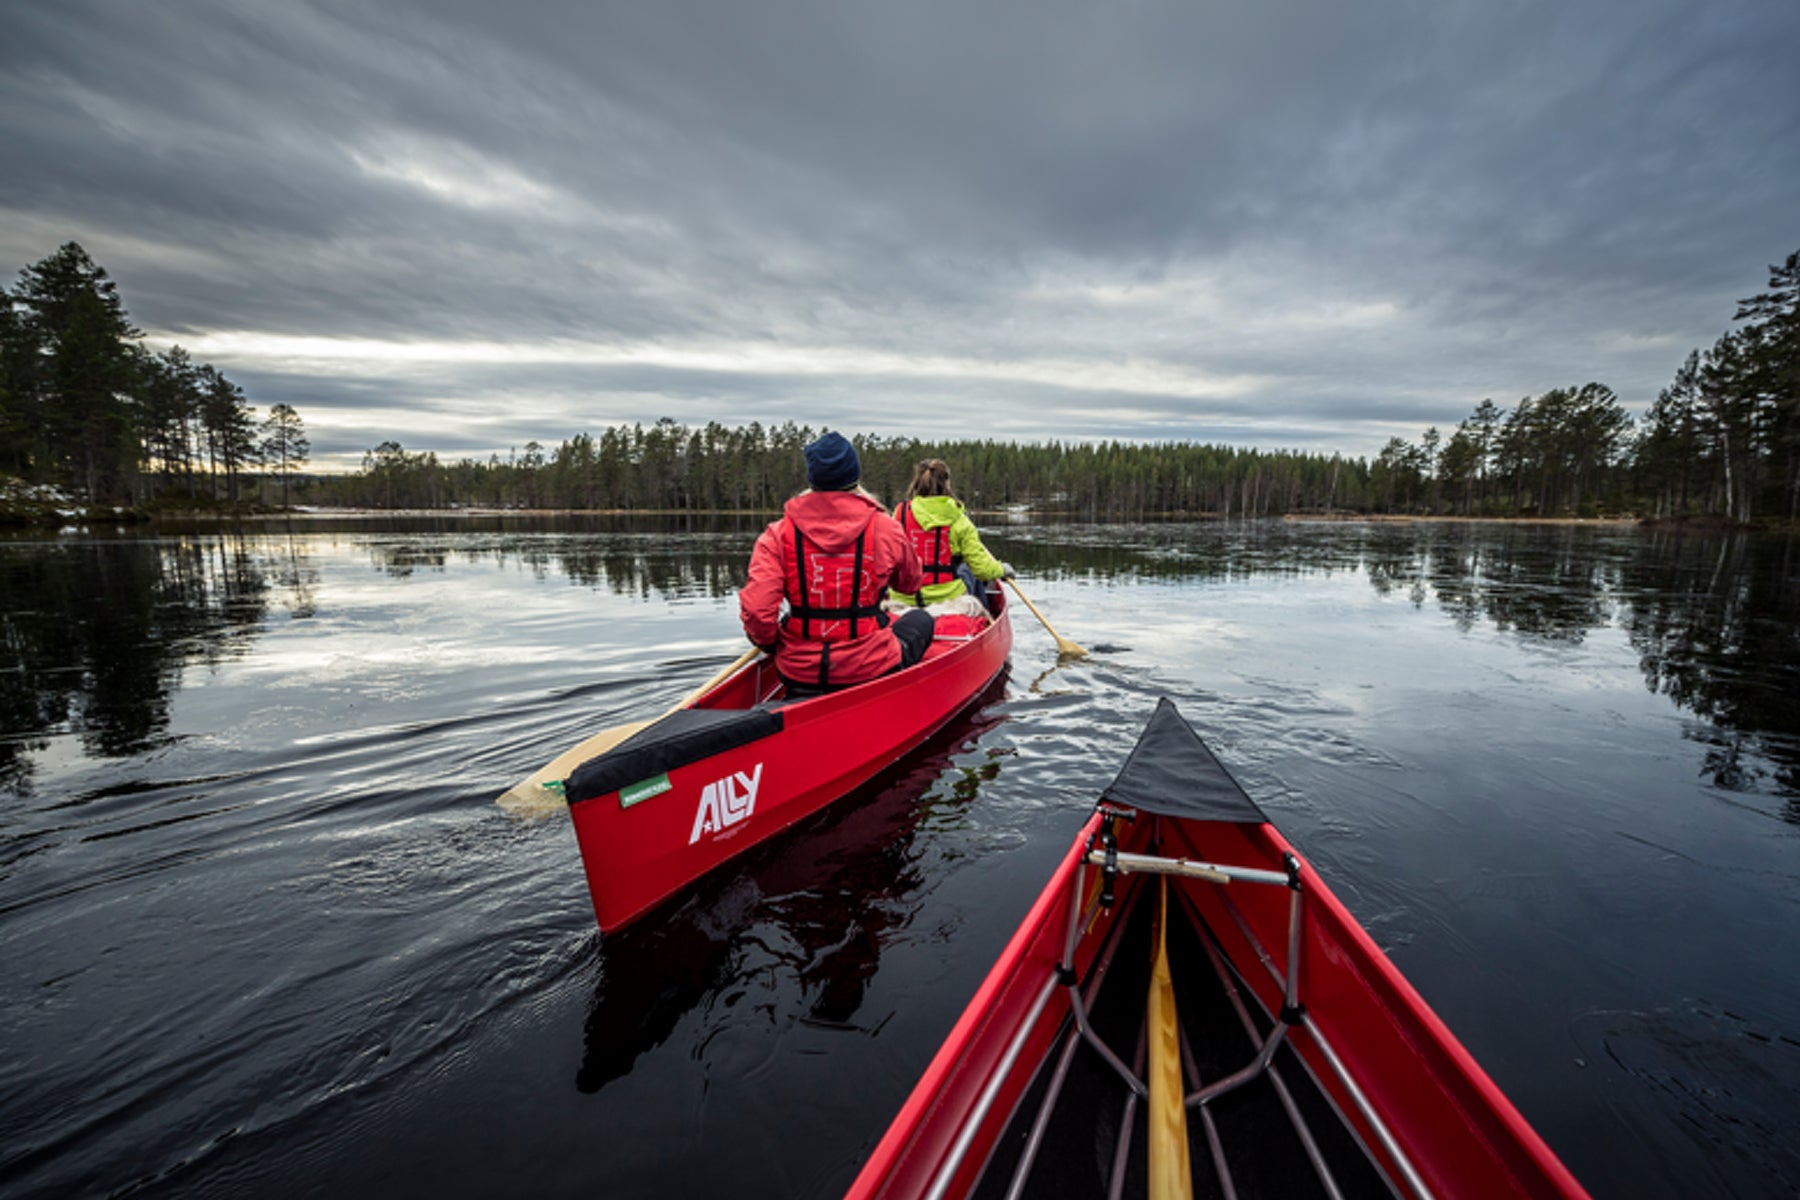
(80, 370)
(230, 426)
(285, 446)
(1773, 370)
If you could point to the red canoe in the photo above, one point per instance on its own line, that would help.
(741, 763)
(1299, 1060)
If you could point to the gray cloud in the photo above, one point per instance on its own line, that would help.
(1302, 225)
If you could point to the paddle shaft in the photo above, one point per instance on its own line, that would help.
(743, 660)
(532, 794)
(1063, 644)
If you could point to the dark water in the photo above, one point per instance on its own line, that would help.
(265, 931)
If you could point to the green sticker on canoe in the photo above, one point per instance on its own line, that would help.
(643, 791)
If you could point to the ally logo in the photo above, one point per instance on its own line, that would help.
(726, 802)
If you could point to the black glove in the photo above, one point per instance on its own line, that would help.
(1006, 571)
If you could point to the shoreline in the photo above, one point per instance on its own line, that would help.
(48, 518)
(1449, 519)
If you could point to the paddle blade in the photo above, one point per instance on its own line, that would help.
(541, 795)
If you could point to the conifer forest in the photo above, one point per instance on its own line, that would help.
(85, 407)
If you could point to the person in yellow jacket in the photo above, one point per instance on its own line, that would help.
(949, 548)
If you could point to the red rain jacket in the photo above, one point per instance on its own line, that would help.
(832, 527)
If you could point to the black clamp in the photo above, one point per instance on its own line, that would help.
(1293, 1014)
(1293, 869)
(1065, 975)
(1109, 870)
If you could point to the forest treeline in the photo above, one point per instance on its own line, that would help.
(669, 466)
(85, 408)
(1723, 438)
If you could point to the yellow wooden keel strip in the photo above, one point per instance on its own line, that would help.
(1170, 1177)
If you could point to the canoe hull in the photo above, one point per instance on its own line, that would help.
(1457, 1132)
(637, 852)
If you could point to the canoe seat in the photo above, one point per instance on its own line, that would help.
(682, 737)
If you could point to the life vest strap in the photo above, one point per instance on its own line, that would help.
(866, 612)
(801, 606)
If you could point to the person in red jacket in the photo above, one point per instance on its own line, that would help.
(829, 561)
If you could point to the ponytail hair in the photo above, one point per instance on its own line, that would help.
(931, 477)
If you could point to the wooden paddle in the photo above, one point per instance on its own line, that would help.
(541, 794)
(1064, 646)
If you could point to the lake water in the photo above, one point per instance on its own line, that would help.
(265, 930)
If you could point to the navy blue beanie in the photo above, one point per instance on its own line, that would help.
(831, 464)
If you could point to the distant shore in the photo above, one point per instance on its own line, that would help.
(50, 511)
(1447, 519)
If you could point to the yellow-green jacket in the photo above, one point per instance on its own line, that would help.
(937, 525)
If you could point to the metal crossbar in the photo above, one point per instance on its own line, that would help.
(1150, 864)
(1289, 982)
(1292, 1015)
(1126, 863)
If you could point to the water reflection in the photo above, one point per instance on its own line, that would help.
(1714, 619)
(94, 633)
(94, 636)
(1716, 624)
(1544, 585)
(805, 916)
(648, 567)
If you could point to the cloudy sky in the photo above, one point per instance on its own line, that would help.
(1313, 224)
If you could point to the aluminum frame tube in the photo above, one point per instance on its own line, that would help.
(1053, 1092)
(1115, 1182)
(1301, 1129)
(1080, 1009)
(1382, 1133)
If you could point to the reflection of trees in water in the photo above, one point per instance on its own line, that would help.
(1716, 624)
(1211, 550)
(808, 912)
(1715, 620)
(1551, 586)
(296, 579)
(94, 635)
(653, 555)
(711, 568)
(649, 568)
(670, 557)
